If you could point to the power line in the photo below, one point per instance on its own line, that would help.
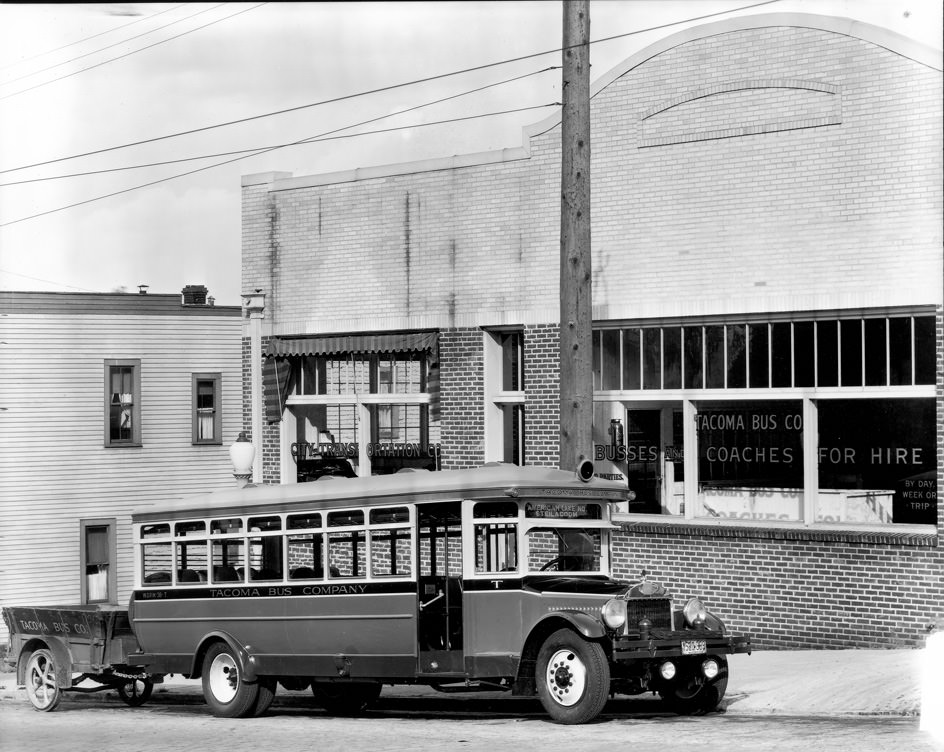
(322, 137)
(303, 142)
(375, 91)
(102, 49)
(88, 39)
(47, 281)
(133, 52)
(255, 153)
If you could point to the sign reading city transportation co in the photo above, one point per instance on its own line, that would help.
(303, 450)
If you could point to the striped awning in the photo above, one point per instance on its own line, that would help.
(359, 343)
(277, 371)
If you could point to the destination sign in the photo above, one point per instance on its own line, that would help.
(538, 510)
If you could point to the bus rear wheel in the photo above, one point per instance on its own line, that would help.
(573, 677)
(224, 688)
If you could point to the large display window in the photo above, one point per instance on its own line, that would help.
(811, 420)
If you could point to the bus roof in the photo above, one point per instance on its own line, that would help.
(505, 479)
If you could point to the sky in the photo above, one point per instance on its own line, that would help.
(86, 207)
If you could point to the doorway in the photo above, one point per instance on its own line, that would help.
(439, 534)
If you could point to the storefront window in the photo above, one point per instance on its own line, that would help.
(750, 460)
(877, 461)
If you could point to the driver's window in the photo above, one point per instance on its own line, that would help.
(564, 549)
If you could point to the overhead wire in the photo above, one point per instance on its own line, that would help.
(326, 136)
(102, 49)
(337, 99)
(134, 52)
(90, 38)
(264, 150)
(369, 92)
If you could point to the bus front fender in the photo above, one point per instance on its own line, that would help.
(581, 623)
(247, 661)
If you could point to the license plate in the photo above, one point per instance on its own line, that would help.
(693, 647)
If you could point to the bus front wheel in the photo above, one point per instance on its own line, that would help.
(573, 677)
(224, 688)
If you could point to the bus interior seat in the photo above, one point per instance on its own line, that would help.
(187, 575)
(158, 577)
(264, 574)
(304, 573)
(334, 571)
(225, 574)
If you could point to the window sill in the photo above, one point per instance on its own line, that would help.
(124, 445)
(910, 535)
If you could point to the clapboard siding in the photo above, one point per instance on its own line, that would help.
(54, 466)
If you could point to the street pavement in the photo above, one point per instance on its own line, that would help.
(794, 683)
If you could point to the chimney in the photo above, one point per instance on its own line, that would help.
(194, 295)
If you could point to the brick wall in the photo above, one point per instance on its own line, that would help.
(542, 395)
(461, 398)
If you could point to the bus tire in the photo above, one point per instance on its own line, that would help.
(224, 689)
(346, 698)
(573, 677)
(265, 697)
(42, 689)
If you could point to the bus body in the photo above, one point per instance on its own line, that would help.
(492, 578)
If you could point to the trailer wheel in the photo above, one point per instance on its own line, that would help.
(136, 692)
(573, 677)
(42, 689)
(224, 689)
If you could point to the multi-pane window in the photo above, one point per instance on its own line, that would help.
(98, 556)
(505, 374)
(853, 352)
(206, 408)
(122, 402)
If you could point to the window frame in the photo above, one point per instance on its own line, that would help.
(109, 523)
(135, 365)
(217, 381)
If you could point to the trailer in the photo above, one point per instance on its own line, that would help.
(59, 649)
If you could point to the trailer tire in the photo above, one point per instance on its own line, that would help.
(224, 688)
(136, 692)
(42, 689)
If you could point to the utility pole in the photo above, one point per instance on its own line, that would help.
(576, 346)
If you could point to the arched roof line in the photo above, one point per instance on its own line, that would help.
(886, 38)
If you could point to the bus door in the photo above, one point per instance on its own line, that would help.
(439, 534)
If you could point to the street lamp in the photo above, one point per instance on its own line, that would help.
(241, 454)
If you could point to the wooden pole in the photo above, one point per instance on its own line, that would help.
(576, 348)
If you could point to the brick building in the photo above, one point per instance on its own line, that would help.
(767, 314)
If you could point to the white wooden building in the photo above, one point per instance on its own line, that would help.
(107, 402)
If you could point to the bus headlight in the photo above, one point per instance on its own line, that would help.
(667, 670)
(695, 613)
(614, 613)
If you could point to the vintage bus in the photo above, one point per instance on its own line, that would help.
(495, 578)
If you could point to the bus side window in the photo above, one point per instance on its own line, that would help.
(496, 547)
(305, 557)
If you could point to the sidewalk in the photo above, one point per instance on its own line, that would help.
(802, 683)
